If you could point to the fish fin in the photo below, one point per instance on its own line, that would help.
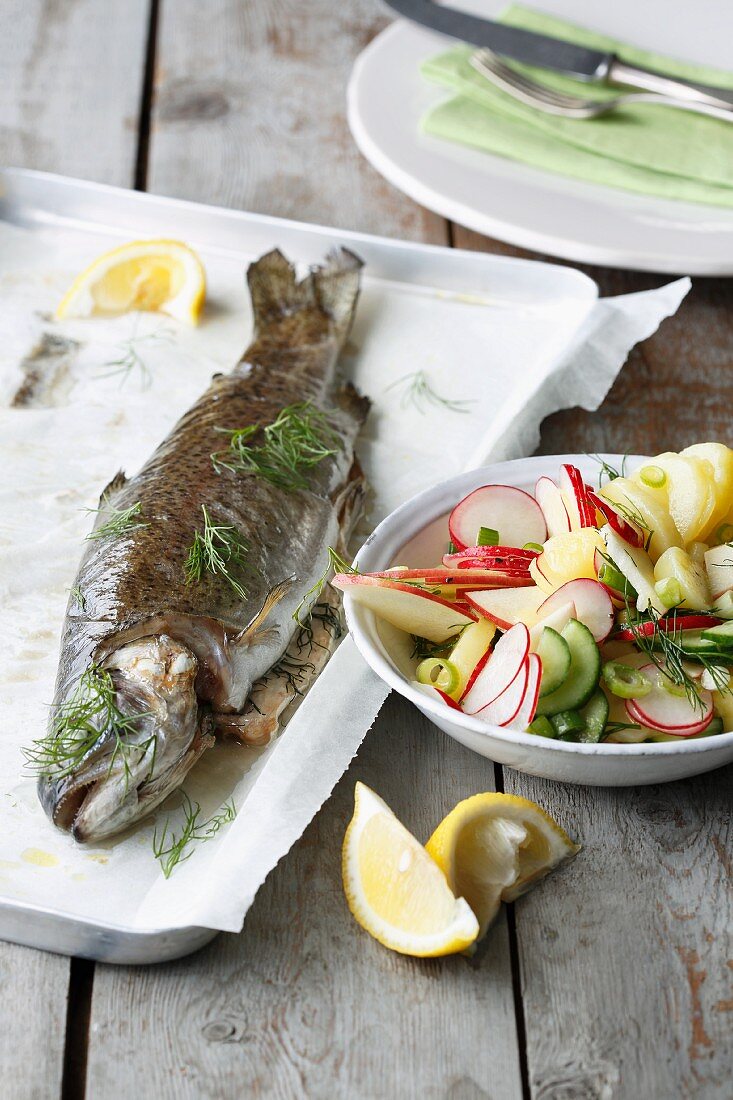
(350, 501)
(352, 402)
(119, 481)
(332, 287)
(254, 633)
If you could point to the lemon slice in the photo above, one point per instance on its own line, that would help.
(162, 276)
(493, 847)
(395, 890)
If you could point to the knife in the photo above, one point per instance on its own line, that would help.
(594, 66)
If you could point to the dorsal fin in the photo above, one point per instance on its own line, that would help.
(119, 481)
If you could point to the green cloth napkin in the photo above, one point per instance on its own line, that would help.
(646, 148)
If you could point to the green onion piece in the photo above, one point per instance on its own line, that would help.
(653, 476)
(666, 682)
(533, 546)
(542, 727)
(487, 536)
(724, 533)
(614, 578)
(669, 591)
(452, 548)
(438, 673)
(626, 682)
(568, 723)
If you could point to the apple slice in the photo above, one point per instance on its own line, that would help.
(551, 501)
(593, 605)
(629, 531)
(669, 713)
(508, 606)
(513, 513)
(636, 566)
(405, 606)
(500, 671)
(581, 511)
(504, 709)
(558, 619)
(470, 651)
(508, 558)
(528, 707)
(432, 577)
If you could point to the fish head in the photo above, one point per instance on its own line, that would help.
(151, 732)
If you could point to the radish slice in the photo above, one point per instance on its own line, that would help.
(572, 487)
(628, 530)
(526, 712)
(669, 713)
(500, 671)
(550, 500)
(593, 605)
(557, 620)
(436, 693)
(513, 513)
(504, 710)
(670, 624)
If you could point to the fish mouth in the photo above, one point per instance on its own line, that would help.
(162, 732)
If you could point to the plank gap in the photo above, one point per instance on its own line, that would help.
(78, 1016)
(146, 100)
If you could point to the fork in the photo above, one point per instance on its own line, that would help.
(534, 94)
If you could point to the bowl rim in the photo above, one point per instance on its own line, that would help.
(403, 524)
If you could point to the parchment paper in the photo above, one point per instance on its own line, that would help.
(102, 395)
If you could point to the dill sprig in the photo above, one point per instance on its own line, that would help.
(291, 446)
(618, 727)
(665, 648)
(422, 648)
(88, 717)
(335, 564)
(120, 522)
(293, 671)
(216, 550)
(172, 849)
(130, 359)
(419, 392)
(608, 471)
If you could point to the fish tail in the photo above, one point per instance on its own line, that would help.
(332, 287)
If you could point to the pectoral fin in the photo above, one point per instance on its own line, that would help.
(256, 632)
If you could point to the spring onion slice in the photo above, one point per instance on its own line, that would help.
(487, 536)
(542, 727)
(669, 591)
(438, 673)
(653, 476)
(626, 682)
(537, 546)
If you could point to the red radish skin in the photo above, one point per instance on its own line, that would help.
(660, 710)
(503, 710)
(513, 513)
(435, 692)
(593, 605)
(553, 507)
(673, 731)
(527, 710)
(668, 625)
(626, 528)
(447, 700)
(580, 510)
(499, 672)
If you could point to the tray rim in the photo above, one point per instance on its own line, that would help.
(50, 929)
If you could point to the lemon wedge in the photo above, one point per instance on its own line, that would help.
(493, 847)
(162, 276)
(395, 890)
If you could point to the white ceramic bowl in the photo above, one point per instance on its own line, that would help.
(415, 534)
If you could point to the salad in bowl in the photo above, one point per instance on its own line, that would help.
(587, 611)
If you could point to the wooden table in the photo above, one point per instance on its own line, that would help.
(613, 980)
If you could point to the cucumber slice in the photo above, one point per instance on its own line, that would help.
(595, 716)
(554, 653)
(542, 726)
(721, 635)
(583, 676)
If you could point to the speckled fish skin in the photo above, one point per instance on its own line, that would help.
(133, 585)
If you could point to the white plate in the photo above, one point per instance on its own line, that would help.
(414, 535)
(520, 204)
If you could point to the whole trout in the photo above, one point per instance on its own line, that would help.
(160, 651)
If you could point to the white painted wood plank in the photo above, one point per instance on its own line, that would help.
(249, 112)
(304, 1003)
(72, 76)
